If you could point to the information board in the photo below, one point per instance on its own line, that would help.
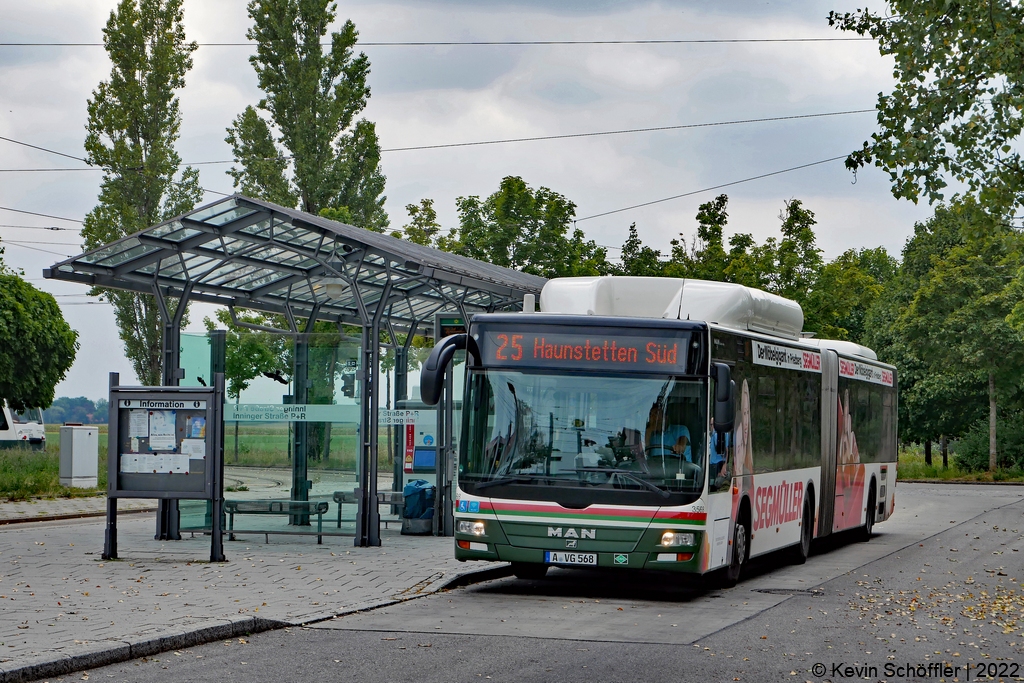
(166, 443)
(163, 442)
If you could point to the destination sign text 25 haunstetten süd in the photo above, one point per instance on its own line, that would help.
(509, 348)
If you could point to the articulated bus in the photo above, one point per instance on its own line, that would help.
(653, 423)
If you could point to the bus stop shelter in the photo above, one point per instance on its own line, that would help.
(249, 254)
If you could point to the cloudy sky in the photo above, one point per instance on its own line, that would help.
(436, 95)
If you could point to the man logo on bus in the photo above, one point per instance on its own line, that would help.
(558, 532)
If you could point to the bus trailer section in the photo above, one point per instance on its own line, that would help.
(663, 423)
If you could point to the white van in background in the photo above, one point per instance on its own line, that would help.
(22, 428)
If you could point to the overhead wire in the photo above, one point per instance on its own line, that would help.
(4, 240)
(632, 130)
(623, 131)
(709, 189)
(36, 227)
(42, 215)
(481, 43)
(83, 160)
(45, 251)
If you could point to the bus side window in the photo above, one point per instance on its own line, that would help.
(765, 414)
(3, 420)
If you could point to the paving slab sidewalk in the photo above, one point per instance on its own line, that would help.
(45, 509)
(62, 608)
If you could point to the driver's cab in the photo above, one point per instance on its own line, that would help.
(674, 443)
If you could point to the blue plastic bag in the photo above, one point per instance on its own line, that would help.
(419, 499)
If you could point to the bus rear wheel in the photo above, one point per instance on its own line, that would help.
(802, 550)
(529, 571)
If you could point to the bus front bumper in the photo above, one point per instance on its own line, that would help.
(678, 562)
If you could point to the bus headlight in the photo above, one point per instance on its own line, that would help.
(671, 539)
(475, 528)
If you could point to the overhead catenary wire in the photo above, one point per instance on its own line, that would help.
(42, 215)
(36, 227)
(709, 189)
(4, 240)
(83, 160)
(536, 138)
(485, 43)
(632, 130)
(25, 246)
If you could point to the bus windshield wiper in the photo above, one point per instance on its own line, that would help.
(515, 479)
(625, 474)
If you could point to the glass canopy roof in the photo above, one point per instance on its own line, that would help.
(252, 254)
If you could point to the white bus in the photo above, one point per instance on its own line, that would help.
(663, 423)
(22, 428)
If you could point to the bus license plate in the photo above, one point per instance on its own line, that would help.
(570, 558)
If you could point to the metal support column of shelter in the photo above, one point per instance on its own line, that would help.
(300, 451)
(368, 515)
(218, 362)
(398, 430)
(401, 395)
(168, 516)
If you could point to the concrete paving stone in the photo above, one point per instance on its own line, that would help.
(164, 595)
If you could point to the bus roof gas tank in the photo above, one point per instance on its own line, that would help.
(724, 303)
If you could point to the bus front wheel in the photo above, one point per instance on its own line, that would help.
(529, 571)
(740, 553)
(869, 517)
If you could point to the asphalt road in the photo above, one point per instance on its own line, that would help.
(937, 586)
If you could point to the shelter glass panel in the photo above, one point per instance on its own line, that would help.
(283, 447)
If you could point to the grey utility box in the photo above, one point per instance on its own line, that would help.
(79, 455)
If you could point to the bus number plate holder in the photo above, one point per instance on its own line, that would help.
(570, 558)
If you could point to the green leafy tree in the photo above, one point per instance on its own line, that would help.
(707, 258)
(249, 354)
(639, 259)
(38, 345)
(840, 288)
(526, 229)
(956, 108)
(307, 117)
(959, 314)
(935, 398)
(798, 259)
(80, 410)
(423, 227)
(133, 123)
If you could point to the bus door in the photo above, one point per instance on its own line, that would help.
(829, 427)
(720, 510)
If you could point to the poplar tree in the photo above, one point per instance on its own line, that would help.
(134, 121)
(300, 144)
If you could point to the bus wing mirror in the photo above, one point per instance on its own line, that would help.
(725, 392)
(432, 374)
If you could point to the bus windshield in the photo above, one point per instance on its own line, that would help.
(584, 438)
(28, 416)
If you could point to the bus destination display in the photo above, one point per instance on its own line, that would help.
(599, 351)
